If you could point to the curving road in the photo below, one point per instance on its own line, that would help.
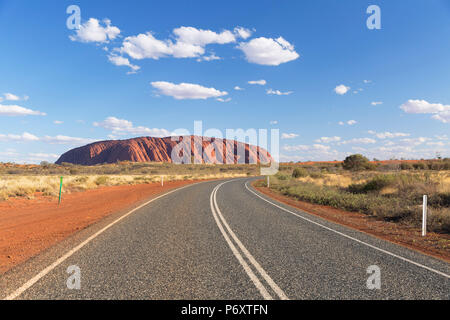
(224, 240)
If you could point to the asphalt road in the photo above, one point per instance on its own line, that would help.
(223, 240)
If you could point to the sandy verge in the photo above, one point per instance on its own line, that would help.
(434, 244)
(28, 227)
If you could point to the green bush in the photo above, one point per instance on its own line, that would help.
(374, 185)
(299, 173)
(101, 180)
(357, 162)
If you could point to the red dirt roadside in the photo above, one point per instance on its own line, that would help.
(434, 244)
(28, 227)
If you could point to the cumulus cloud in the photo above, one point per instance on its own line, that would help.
(341, 89)
(95, 31)
(238, 88)
(11, 97)
(261, 82)
(268, 51)
(189, 42)
(14, 110)
(242, 32)
(440, 111)
(359, 141)
(349, 122)
(328, 139)
(223, 100)
(314, 147)
(61, 139)
(278, 92)
(24, 137)
(122, 127)
(289, 136)
(387, 134)
(121, 61)
(187, 90)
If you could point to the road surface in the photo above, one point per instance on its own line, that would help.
(224, 240)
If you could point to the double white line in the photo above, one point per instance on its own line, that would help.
(224, 228)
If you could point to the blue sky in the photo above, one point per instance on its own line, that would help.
(331, 85)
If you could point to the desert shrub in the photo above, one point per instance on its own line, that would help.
(419, 166)
(281, 176)
(356, 162)
(405, 166)
(316, 175)
(102, 180)
(376, 184)
(299, 173)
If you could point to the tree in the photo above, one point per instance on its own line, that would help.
(356, 162)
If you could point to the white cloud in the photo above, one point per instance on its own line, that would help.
(121, 61)
(242, 32)
(95, 31)
(341, 89)
(24, 137)
(268, 51)
(278, 92)
(367, 81)
(189, 42)
(44, 155)
(223, 100)
(349, 122)
(186, 90)
(289, 136)
(422, 106)
(328, 139)
(443, 116)
(199, 37)
(258, 82)
(211, 57)
(273, 122)
(359, 141)
(58, 122)
(376, 103)
(440, 111)
(314, 147)
(61, 139)
(13, 110)
(122, 127)
(387, 134)
(11, 97)
(238, 88)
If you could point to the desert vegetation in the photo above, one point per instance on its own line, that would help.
(30, 180)
(390, 191)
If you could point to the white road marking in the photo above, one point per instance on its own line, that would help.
(238, 256)
(216, 212)
(44, 272)
(350, 237)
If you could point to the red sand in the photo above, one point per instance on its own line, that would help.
(28, 227)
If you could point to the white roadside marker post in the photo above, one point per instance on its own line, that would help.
(268, 181)
(162, 181)
(424, 216)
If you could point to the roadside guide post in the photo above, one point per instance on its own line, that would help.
(424, 216)
(60, 190)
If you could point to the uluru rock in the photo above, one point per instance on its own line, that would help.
(151, 149)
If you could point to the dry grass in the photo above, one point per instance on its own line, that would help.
(393, 196)
(27, 186)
